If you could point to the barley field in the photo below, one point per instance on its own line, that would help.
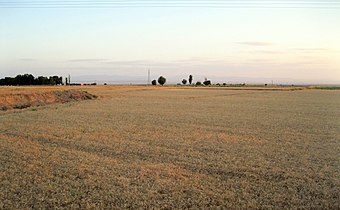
(138, 147)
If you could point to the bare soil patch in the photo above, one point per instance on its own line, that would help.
(28, 99)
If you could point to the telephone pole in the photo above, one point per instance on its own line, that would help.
(148, 77)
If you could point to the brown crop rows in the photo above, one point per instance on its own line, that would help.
(164, 148)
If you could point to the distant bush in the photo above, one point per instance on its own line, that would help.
(207, 82)
(224, 84)
(85, 84)
(184, 81)
(154, 82)
(198, 83)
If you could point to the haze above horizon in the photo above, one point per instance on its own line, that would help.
(258, 40)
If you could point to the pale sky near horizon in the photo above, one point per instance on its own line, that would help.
(289, 44)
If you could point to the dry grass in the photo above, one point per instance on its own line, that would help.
(147, 147)
(23, 99)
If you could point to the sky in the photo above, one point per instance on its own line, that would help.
(251, 44)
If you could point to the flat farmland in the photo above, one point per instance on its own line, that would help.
(173, 148)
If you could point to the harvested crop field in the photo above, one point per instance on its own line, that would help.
(168, 147)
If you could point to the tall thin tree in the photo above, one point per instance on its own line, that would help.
(190, 79)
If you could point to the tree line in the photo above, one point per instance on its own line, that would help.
(29, 79)
(161, 80)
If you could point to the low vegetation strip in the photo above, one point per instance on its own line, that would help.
(25, 100)
(328, 87)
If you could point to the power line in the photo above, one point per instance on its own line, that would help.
(174, 3)
(166, 1)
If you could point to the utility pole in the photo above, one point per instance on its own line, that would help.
(148, 77)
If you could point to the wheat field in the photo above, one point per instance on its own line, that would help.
(173, 148)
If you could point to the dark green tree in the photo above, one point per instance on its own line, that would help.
(207, 82)
(43, 80)
(154, 82)
(190, 79)
(184, 81)
(161, 80)
(29, 79)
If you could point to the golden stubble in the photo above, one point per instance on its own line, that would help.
(160, 147)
